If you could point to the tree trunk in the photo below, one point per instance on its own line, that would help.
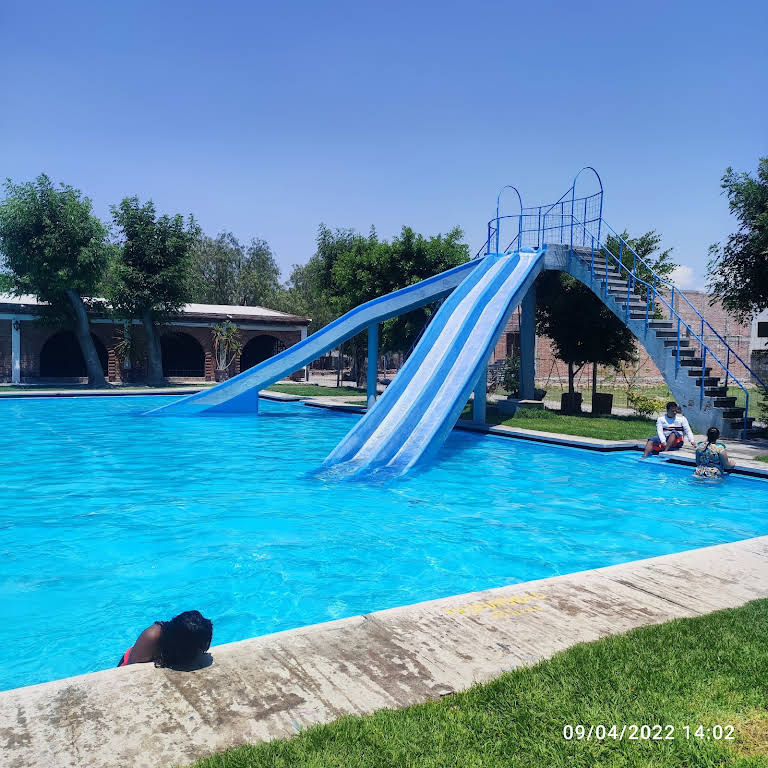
(571, 377)
(83, 334)
(594, 379)
(154, 352)
(338, 367)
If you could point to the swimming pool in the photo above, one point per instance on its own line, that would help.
(111, 520)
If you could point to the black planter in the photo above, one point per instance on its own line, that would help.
(570, 403)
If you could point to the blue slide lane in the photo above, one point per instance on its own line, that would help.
(413, 417)
(240, 394)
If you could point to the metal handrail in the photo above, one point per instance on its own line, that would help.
(676, 290)
(632, 280)
(542, 229)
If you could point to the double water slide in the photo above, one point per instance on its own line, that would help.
(418, 409)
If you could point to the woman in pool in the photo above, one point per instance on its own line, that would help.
(169, 643)
(711, 457)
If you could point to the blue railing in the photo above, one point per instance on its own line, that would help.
(573, 221)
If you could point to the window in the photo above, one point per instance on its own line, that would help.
(762, 330)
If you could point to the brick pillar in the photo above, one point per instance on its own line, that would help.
(209, 369)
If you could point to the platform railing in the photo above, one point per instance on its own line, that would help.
(652, 290)
(555, 224)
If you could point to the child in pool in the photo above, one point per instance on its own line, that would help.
(170, 643)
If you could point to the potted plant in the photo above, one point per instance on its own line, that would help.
(226, 347)
(128, 351)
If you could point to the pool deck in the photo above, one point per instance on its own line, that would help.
(273, 686)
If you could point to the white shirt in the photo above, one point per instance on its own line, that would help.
(666, 426)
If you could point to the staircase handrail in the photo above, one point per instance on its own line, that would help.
(675, 290)
(680, 320)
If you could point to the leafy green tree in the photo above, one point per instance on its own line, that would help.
(6, 282)
(738, 271)
(224, 271)
(58, 251)
(582, 329)
(647, 247)
(151, 274)
(372, 268)
(348, 269)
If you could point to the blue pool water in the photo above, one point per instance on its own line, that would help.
(109, 520)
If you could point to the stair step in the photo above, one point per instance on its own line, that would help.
(684, 353)
(661, 325)
(723, 402)
(709, 381)
(673, 343)
(716, 392)
(696, 371)
(691, 362)
(739, 423)
(733, 413)
(668, 333)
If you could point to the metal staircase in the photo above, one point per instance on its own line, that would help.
(662, 318)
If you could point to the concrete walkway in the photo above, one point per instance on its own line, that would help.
(271, 687)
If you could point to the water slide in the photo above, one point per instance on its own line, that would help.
(240, 394)
(413, 417)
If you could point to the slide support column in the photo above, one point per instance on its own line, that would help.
(481, 397)
(15, 351)
(528, 344)
(373, 363)
(306, 367)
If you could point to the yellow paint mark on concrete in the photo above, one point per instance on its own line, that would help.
(500, 607)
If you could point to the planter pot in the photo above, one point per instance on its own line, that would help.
(570, 403)
(220, 374)
(539, 394)
(602, 402)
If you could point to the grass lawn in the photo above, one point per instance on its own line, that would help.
(708, 671)
(315, 390)
(586, 425)
(762, 458)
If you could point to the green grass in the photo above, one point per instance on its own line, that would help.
(761, 458)
(315, 390)
(710, 670)
(586, 425)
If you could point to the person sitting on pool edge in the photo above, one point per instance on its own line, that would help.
(711, 457)
(670, 428)
(177, 642)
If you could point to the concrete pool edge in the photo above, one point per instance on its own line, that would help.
(272, 686)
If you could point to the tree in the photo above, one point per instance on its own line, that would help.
(58, 251)
(646, 247)
(226, 272)
(226, 344)
(582, 329)
(738, 271)
(151, 274)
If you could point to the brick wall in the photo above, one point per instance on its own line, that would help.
(549, 368)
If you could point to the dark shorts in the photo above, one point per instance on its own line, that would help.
(676, 446)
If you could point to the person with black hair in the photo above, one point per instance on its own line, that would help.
(712, 457)
(177, 642)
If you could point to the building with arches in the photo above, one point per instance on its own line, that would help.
(33, 352)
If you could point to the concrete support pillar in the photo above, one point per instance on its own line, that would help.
(15, 351)
(306, 367)
(373, 363)
(481, 397)
(528, 344)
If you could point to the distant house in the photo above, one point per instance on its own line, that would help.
(32, 352)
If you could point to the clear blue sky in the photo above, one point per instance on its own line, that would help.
(268, 118)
